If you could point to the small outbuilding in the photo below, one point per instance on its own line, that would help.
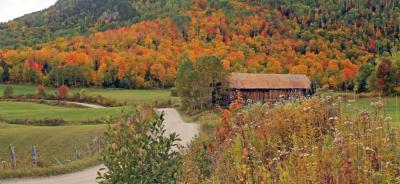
(269, 87)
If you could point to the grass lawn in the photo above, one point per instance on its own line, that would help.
(51, 142)
(25, 110)
(391, 107)
(20, 89)
(136, 96)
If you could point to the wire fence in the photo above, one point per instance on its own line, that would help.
(13, 157)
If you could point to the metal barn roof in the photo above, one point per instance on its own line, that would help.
(268, 81)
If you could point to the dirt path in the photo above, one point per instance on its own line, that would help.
(173, 123)
(94, 106)
(87, 176)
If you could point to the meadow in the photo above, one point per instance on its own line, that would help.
(51, 142)
(391, 107)
(59, 142)
(27, 110)
(352, 105)
(55, 148)
(131, 97)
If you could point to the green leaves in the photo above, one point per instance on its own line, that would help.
(138, 151)
(202, 84)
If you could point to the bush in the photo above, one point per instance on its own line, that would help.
(63, 91)
(174, 92)
(37, 122)
(397, 90)
(138, 145)
(83, 94)
(8, 92)
(41, 93)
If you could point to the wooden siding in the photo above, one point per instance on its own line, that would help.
(269, 95)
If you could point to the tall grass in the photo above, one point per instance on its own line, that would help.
(303, 142)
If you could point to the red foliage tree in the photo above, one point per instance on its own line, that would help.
(63, 91)
(385, 76)
(348, 73)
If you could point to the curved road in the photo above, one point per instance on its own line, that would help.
(173, 123)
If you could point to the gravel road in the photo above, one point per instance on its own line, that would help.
(173, 123)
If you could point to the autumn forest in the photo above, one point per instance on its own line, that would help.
(338, 44)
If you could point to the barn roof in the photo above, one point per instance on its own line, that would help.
(268, 81)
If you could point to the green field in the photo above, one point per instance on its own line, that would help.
(26, 110)
(390, 109)
(137, 96)
(20, 89)
(59, 142)
(51, 142)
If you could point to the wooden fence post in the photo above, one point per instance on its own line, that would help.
(34, 156)
(89, 149)
(77, 153)
(98, 144)
(13, 156)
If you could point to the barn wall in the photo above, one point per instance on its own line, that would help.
(269, 95)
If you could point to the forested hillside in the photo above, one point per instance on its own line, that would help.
(75, 17)
(340, 44)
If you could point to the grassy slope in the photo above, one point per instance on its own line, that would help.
(59, 141)
(50, 141)
(22, 110)
(19, 89)
(139, 96)
(391, 107)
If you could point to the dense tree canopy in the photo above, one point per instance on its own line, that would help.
(330, 41)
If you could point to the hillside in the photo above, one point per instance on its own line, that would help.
(75, 17)
(336, 43)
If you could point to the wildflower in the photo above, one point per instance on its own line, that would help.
(379, 104)
(333, 118)
(348, 123)
(304, 155)
(368, 149)
(338, 138)
(306, 109)
(387, 119)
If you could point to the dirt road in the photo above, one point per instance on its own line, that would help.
(94, 106)
(173, 123)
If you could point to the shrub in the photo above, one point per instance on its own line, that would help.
(83, 94)
(397, 90)
(8, 92)
(38, 122)
(174, 92)
(41, 93)
(137, 151)
(63, 91)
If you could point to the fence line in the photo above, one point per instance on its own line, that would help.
(93, 148)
